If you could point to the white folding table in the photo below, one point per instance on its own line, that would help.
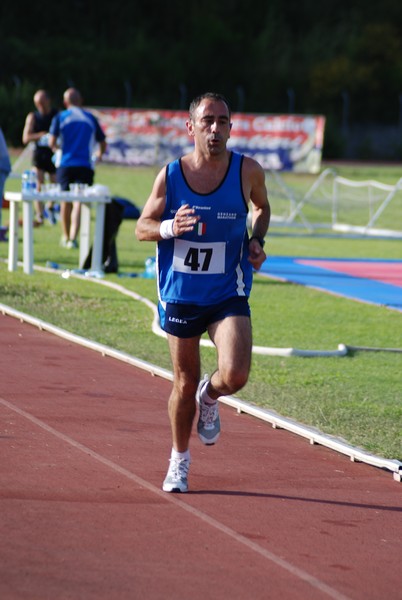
(27, 200)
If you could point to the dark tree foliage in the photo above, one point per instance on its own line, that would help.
(270, 56)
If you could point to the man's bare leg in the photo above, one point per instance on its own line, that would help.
(233, 340)
(65, 215)
(185, 356)
(75, 221)
(186, 373)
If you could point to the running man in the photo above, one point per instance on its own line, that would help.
(197, 212)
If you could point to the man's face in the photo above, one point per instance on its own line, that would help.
(210, 126)
(42, 103)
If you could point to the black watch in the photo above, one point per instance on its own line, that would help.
(261, 241)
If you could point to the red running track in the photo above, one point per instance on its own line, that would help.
(85, 442)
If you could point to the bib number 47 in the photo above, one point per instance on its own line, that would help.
(198, 259)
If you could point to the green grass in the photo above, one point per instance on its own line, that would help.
(357, 397)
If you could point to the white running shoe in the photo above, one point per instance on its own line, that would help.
(176, 478)
(209, 424)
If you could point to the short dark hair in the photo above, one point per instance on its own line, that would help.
(210, 96)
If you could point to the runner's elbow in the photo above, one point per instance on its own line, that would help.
(141, 232)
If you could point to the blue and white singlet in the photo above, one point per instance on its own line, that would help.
(209, 264)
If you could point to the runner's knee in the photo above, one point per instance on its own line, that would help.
(186, 387)
(234, 379)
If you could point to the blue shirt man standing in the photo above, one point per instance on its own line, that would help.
(77, 132)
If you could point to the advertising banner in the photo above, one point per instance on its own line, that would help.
(156, 137)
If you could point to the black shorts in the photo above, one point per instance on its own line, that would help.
(42, 159)
(192, 320)
(67, 175)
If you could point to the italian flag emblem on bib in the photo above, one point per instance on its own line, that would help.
(201, 228)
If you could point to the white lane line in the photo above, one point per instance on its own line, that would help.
(292, 569)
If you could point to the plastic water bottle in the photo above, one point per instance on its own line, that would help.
(33, 182)
(150, 268)
(44, 140)
(29, 181)
(25, 182)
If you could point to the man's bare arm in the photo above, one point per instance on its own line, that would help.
(29, 135)
(255, 188)
(149, 225)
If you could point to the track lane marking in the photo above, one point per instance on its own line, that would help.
(277, 560)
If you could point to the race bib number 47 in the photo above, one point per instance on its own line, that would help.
(199, 258)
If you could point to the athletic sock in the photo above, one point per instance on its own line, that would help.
(177, 455)
(204, 396)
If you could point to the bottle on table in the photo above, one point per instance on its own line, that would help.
(29, 181)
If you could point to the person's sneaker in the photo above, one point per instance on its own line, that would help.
(51, 217)
(72, 244)
(38, 221)
(176, 478)
(209, 424)
(63, 242)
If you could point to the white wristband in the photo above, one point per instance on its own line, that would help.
(166, 229)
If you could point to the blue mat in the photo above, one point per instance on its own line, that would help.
(372, 281)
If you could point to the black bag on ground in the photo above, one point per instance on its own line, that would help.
(130, 210)
(113, 218)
